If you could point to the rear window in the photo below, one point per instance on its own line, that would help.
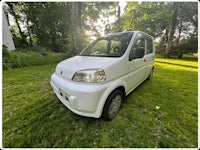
(149, 45)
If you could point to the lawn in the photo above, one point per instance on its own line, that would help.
(159, 113)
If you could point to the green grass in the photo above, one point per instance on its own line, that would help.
(160, 113)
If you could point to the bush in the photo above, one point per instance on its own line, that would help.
(186, 46)
(19, 58)
(38, 49)
(5, 59)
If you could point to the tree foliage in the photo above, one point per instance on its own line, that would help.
(171, 22)
(65, 26)
(59, 26)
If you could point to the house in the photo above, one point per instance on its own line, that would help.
(7, 39)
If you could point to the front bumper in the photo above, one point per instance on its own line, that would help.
(81, 98)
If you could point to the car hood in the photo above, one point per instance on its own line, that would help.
(68, 67)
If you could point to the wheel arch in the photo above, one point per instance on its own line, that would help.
(117, 85)
(121, 88)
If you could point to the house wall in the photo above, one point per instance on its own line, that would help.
(6, 35)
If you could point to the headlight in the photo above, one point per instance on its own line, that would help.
(90, 76)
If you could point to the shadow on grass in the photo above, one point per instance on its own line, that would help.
(169, 63)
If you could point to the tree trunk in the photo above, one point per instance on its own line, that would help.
(166, 35)
(16, 20)
(118, 12)
(180, 55)
(29, 33)
(179, 31)
(171, 29)
(76, 25)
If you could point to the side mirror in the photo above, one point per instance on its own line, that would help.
(131, 57)
(139, 52)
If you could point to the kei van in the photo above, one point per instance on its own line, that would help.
(95, 82)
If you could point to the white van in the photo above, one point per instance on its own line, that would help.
(95, 83)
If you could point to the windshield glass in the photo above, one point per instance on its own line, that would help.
(109, 46)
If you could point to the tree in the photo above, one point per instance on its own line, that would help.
(185, 46)
(92, 12)
(171, 22)
(14, 10)
(49, 23)
(172, 28)
(59, 26)
(191, 12)
(118, 25)
(146, 17)
(76, 25)
(83, 18)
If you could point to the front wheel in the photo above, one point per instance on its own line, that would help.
(113, 105)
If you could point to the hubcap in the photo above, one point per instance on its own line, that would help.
(114, 106)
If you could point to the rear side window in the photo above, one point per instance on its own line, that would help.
(149, 45)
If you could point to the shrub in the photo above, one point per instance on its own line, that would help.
(19, 58)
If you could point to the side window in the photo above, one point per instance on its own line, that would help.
(138, 46)
(149, 46)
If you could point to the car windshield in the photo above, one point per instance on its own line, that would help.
(109, 46)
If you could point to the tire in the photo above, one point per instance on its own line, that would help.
(113, 105)
(150, 75)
